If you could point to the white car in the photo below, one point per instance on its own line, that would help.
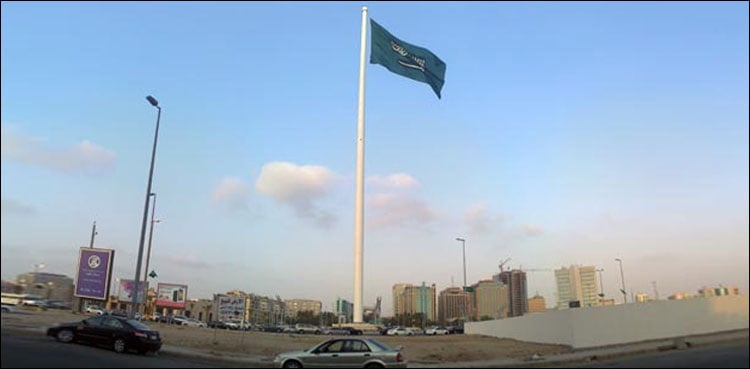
(432, 331)
(195, 323)
(98, 310)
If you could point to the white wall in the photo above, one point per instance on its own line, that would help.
(609, 325)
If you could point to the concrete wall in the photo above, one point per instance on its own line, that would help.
(609, 325)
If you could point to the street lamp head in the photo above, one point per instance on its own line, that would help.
(152, 100)
(152, 194)
(618, 259)
(460, 239)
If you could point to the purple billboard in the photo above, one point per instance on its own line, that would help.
(94, 271)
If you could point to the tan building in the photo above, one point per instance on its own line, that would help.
(641, 297)
(490, 300)
(296, 306)
(46, 285)
(718, 291)
(454, 305)
(411, 299)
(577, 285)
(607, 302)
(537, 304)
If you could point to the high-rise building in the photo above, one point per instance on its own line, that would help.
(490, 300)
(454, 305)
(410, 299)
(577, 285)
(344, 311)
(517, 295)
(537, 304)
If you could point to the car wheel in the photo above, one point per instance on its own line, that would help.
(65, 335)
(292, 364)
(119, 345)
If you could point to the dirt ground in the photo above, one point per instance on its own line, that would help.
(424, 349)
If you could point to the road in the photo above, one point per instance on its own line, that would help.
(724, 355)
(38, 351)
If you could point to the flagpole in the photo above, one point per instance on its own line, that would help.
(359, 215)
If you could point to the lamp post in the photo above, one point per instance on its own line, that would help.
(134, 307)
(601, 283)
(148, 252)
(622, 279)
(463, 247)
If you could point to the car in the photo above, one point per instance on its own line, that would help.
(344, 352)
(95, 309)
(303, 328)
(195, 323)
(9, 308)
(121, 334)
(435, 330)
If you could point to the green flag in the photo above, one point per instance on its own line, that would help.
(406, 59)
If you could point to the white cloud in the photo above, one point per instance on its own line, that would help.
(479, 220)
(392, 210)
(298, 186)
(531, 230)
(11, 207)
(82, 157)
(394, 181)
(232, 192)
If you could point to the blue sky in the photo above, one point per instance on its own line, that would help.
(568, 133)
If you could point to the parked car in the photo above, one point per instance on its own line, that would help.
(195, 323)
(9, 308)
(96, 309)
(271, 328)
(302, 328)
(121, 334)
(217, 324)
(344, 352)
(57, 304)
(435, 330)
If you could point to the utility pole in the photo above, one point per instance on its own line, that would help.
(93, 234)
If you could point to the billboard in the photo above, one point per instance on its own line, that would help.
(231, 308)
(171, 295)
(93, 273)
(126, 290)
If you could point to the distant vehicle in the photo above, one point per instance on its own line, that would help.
(435, 330)
(56, 304)
(121, 334)
(335, 331)
(195, 323)
(217, 324)
(401, 331)
(33, 301)
(271, 328)
(7, 308)
(302, 328)
(344, 353)
(96, 309)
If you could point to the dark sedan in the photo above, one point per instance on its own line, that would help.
(344, 353)
(121, 334)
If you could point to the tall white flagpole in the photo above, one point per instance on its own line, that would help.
(359, 209)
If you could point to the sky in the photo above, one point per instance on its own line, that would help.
(567, 134)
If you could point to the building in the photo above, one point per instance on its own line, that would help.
(344, 311)
(607, 302)
(537, 304)
(517, 294)
(296, 306)
(577, 285)
(454, 305)
(46, 285)
(641, 297)
(490, 300)
(718, 291)
(681, 296)
(410, 299)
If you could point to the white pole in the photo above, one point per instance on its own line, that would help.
(359, 232)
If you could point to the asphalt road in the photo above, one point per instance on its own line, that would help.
(724, 355)
(38, 351)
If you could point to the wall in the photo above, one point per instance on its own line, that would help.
(609, 325)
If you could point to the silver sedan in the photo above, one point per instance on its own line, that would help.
(344, 353)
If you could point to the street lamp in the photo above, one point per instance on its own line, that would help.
(150, 236)
(622, 279)
(601, 283)
(134, 307)
(463, 297)
(463, 244)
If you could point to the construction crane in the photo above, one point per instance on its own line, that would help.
(502, 263)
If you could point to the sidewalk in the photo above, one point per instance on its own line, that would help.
(578, 356)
